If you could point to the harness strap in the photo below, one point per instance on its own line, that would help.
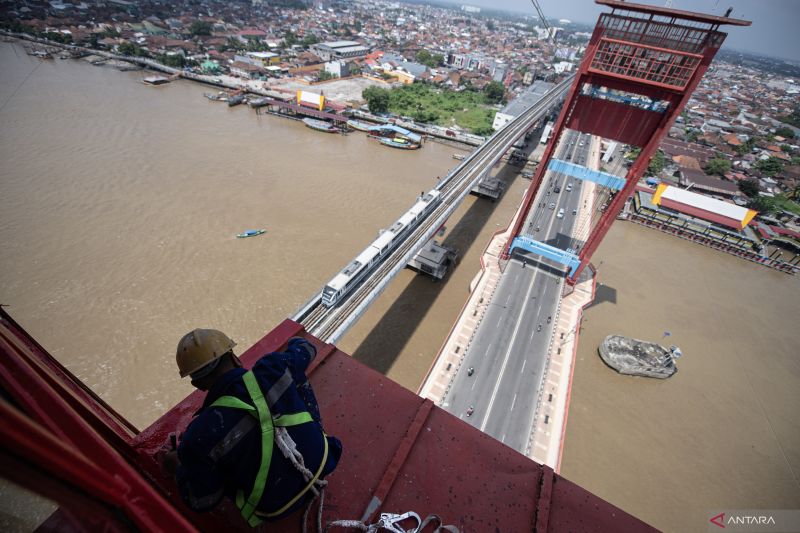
(267, 439)
(267, 422)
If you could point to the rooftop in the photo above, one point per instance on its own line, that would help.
(528, 98)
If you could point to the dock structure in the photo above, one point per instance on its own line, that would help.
(434, 260)
(287, 108)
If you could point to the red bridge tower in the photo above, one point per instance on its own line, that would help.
(640, 68)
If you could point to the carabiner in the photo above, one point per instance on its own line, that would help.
(391, 522)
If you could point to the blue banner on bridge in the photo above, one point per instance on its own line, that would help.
(550, 252)
(582, 173)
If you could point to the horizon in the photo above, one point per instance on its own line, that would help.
(758, 39)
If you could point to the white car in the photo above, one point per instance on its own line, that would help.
(560, 213)
(552, 206)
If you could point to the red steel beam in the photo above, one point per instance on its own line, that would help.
(79, 433)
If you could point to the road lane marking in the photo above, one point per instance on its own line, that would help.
(508, 352)
(514, 401)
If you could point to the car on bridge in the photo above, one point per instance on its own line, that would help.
(552, 205)
(560, 213)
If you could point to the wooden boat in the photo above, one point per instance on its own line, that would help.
(155, 80)
(397, 142)
(250, 233)
(358, 125)
(320, 125)
(255, 103)
(221, 96)
(235, 100)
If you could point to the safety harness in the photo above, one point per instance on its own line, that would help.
(269, 423)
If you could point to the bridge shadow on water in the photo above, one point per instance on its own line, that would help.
(386, 341)
(602, 294)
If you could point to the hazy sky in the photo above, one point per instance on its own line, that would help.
(774, 30)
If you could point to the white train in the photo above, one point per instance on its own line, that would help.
(353, 273)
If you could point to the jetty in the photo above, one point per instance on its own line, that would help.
(635, 357)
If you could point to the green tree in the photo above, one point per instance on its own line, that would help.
(438, 59)
(324, 75)
(424, 57)
(749, 188)
(377, 99)
(494, 92)
(783, 131)
(127, 49)
(793, 118)
(656, 163)
(289, 39)
(746, 147)
(200, 27)
(718, 166)
(770, 166)
(172, 60)
(309, 39)
(763, 204)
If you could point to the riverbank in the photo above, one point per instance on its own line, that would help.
(275, 89)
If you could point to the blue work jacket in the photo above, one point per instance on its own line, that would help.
(220, 452)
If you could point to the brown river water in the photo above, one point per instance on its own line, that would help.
(118, 209)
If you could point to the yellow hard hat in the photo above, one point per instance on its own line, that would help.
(200, 347)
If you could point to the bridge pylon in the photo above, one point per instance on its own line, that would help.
(639, 70)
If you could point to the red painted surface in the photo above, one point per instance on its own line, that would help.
(397, 447)
(612, 120)
(56, 436)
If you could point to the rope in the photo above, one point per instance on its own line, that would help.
(288, 448)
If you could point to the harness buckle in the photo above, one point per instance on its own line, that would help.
(391, 522)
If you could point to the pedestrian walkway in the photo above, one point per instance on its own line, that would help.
(550, 421)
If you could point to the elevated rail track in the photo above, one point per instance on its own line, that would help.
(330, 323)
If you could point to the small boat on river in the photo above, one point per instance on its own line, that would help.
(397, 142)
(255, 103)
(221, 96)
(320, 125)
(155, 80)
(235, 100)
(359, 125)
(250, 233)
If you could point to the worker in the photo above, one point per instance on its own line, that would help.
(258, 438)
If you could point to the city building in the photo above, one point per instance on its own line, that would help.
(336, 50)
